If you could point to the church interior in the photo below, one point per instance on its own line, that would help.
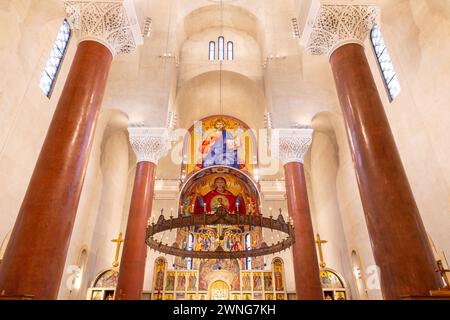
(224, 150)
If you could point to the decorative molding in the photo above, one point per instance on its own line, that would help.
(291, 145)
(113, 23)
(332, 24)
(149, 144)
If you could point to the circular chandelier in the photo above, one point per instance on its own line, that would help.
(220, 217)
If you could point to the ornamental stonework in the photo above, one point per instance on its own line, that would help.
(112, 23)
(149, 144)
(336, 25)
(292, 144)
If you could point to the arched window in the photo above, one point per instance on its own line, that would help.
(230, 50)
(385, 63)
(53, 65)
(190, 247)
(221, 46)
(212, 51)
(248, 246)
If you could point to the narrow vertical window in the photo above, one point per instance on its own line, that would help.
(212, 51)
(385, 63)
(50, 73)
(230, 51)
(190, 247)
(221, 46)
(248, 246)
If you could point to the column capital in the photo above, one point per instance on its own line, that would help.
(332, 24)
(291, 145)
(113, 23)
(149, 144)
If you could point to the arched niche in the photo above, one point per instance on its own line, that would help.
(225, 133)
(241, 98)
(239, 187)
(104, 285)
(333, 285)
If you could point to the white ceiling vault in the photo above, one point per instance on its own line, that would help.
(171, 71)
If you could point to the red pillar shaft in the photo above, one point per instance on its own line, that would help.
(399, 240)
(306, 266)
(132, 265)
(35, 257)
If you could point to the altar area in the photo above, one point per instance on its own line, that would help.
(215, 283)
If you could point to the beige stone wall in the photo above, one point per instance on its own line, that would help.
(28, 31)
(416, 33)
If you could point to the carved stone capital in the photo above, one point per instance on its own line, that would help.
(332, 24)
(149, 144)
(113, 23)
(291, 145)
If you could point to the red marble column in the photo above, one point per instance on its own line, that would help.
(35, 257)
(306, 266)
(398, 237)
(132, 265)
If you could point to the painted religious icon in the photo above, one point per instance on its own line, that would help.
(160, 268)
(222, 189)
(246, 285)
(219, 141)
(168, 296)
(328, 295)
(181, 282)
(269, 296)
(257, 296)
(278, 274)
(109, 295)
(246, 296)
(268, 281)
(157, 296)
(220, 147)
(191, 296)
(257, 281)
(170, 281)
(97, 295)
(219, 197)
(281, 296)
(192, 282)
(340, 295)
(107, 279)
(330, 279)
(180, 296)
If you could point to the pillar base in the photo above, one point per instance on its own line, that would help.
(17, 297)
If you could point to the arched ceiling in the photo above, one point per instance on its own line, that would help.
(146, 85)
(212, 16)
(241, 97)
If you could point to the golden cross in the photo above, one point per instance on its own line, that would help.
(119, 242)
(319, 243)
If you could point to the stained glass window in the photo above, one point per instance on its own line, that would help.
(212, 51)
(230, 51)
(385, 63)
(53, 65)
(248, 246)
(190, 247)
